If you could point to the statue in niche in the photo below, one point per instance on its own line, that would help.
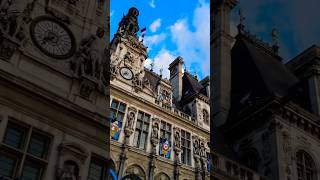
(155, 130)
(177, 140)
(89, 60)
(196, 145)
(70, 171)
(131, 117)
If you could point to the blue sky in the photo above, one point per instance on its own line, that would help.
(297, 22)
(174, 28)
(181, 28)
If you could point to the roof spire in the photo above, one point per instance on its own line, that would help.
(275, 40)
(152, 66)
(161, 69)
(241, 21)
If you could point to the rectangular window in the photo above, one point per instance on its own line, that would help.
(165, 139)
(116, 115)
(24, 142)
(142, 129)
(186, 147)
(97, 169)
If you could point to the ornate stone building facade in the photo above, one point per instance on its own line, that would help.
(159, 127)
(53, 99)
(265, 112)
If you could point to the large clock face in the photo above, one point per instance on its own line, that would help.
(52, 37)
(126, 73)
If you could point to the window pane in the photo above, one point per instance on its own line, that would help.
(139, 125)
(38, 145)
(142, 140)
(112, 115)
(136, 138)
(168, 127)
(114, 104)
(120, 117)
(145, 127)
(163, 125)
(140, 115)
(146, 118)
(15, 136)
(31, 171)
(122, 107)
(96, 171)
(7, 165)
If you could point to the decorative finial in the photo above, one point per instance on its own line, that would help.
(195, 73)
(241, 21)
(152, 66)
(275, 40)
(161, 69)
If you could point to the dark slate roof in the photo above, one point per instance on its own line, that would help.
(276, 76)
(191, 87)
(152, 77)
(256, 75)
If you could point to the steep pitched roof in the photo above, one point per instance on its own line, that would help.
(256, 74)
(191, 87)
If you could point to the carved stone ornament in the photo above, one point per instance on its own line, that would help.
(86, 88)
(71, 157)
(14, 20)
(138, 81)
(7, 48)
(90, 60)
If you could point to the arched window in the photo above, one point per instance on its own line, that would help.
(305, 166)
(205, 116)
(162, 176)
(134, 173)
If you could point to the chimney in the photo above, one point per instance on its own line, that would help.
(220, 51)
(175, 69)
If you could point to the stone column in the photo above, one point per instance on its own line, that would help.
(177, 163)
(123, 158)
(177, 150)
(220, 51)
(128, 130)
(153, 157)
(154, 142)
(197, 167)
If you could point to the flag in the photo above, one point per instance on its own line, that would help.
(143, 32)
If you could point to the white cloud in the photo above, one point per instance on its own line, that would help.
(161, 61)
(151, 3)
(155, 25)
(150, 41)
(111, 13)
(194, 45)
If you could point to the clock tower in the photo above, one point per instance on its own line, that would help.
(128, 54)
